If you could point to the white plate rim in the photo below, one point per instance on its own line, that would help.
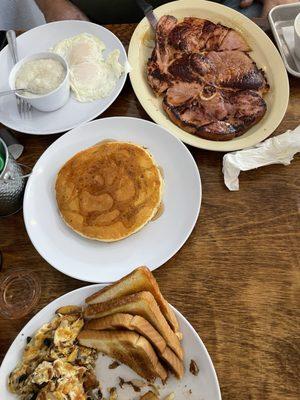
(99, 286)
(44, 254)
(92, 116)
(238, 143)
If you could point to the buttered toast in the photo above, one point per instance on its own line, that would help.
(143, 327)
(142, 304)
(129, 348)
(132, 308)
(132, 323)
(141, 279)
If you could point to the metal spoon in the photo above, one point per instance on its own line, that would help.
(14, 91)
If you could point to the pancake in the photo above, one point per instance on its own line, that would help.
(109, 191)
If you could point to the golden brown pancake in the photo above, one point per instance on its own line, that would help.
(109, 191)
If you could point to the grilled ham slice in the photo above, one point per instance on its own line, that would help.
(226, 69)
(162, 55)
(212, 113)
(211, 86)
(193, 35)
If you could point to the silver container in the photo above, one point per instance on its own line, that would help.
(281, 17)
(12, 184)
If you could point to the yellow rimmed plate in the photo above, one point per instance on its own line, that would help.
(264, 53)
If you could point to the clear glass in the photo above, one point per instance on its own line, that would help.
(20, 292)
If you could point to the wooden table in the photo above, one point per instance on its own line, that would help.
(236, 279)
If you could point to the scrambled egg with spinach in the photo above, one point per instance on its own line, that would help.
(54, 366)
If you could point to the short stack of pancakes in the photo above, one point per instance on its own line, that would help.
(109, 191)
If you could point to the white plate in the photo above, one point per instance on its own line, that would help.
(95, 261)
(264, 54)
(204, 387)
(73, 113)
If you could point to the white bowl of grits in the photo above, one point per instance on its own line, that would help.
(46, 76)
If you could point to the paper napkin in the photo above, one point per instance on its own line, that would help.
(276, 150)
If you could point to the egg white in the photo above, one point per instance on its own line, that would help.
(91, 76)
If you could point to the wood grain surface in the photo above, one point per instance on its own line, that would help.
(236, 279)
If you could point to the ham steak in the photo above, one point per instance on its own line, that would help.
(195, 35)
(210, 85)
(231, 69)
(213, 113)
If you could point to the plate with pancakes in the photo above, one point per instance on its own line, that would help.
(120, 341)
(111, 195)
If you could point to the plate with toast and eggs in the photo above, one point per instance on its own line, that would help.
(111, 195)
(123, 341)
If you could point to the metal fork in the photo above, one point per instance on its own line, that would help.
(24, 107)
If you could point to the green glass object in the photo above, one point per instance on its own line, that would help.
(2, 158)
(1, 163)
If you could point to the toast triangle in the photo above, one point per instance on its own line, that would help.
(141, 279)
(129, 348)
(143, 327)
(142, 304)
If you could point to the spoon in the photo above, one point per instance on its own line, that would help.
(14, 91)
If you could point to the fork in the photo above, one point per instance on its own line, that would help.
(24, 108)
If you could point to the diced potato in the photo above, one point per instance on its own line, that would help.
(65, 310)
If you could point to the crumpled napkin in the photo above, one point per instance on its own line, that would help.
(276, 150)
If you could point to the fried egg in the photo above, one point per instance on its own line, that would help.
(91, 76)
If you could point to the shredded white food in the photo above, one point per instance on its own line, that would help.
(41, 76)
